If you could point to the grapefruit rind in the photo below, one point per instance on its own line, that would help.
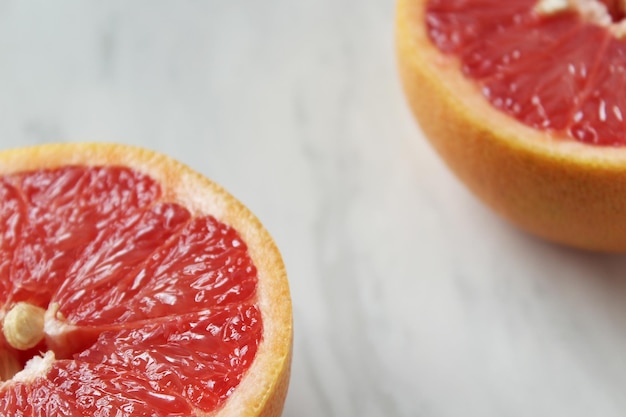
(263, 388)
(559, 189)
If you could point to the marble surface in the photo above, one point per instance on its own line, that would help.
(410, 297)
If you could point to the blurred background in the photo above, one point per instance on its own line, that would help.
(410, 297)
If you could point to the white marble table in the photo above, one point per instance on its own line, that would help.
(410, 298)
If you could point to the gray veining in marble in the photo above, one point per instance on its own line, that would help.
(410, 297)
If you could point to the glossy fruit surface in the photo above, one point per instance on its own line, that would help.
(557, 72)
(145, 288)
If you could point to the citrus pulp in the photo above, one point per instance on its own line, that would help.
(131, 285)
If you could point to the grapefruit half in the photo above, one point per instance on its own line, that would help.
(523, 99)
(131, 285)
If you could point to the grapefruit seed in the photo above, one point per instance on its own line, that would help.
(23, 326)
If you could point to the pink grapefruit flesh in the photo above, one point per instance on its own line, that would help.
(557, 72)
(150, 309)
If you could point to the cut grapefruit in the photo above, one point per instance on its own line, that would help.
(131, 285)
(524, 101)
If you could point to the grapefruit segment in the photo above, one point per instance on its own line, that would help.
(603, 103)
(452, 26)
(84, 389)
(65, 208)
(147, 303)
(199, 355)
(12, 213)
(101, 280)
(204, 265)
(489, 57)
(547, 102)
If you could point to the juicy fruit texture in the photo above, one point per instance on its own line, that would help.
(555, 72)
(150, 309)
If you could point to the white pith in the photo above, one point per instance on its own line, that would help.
(591, 10)
(37, 366)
